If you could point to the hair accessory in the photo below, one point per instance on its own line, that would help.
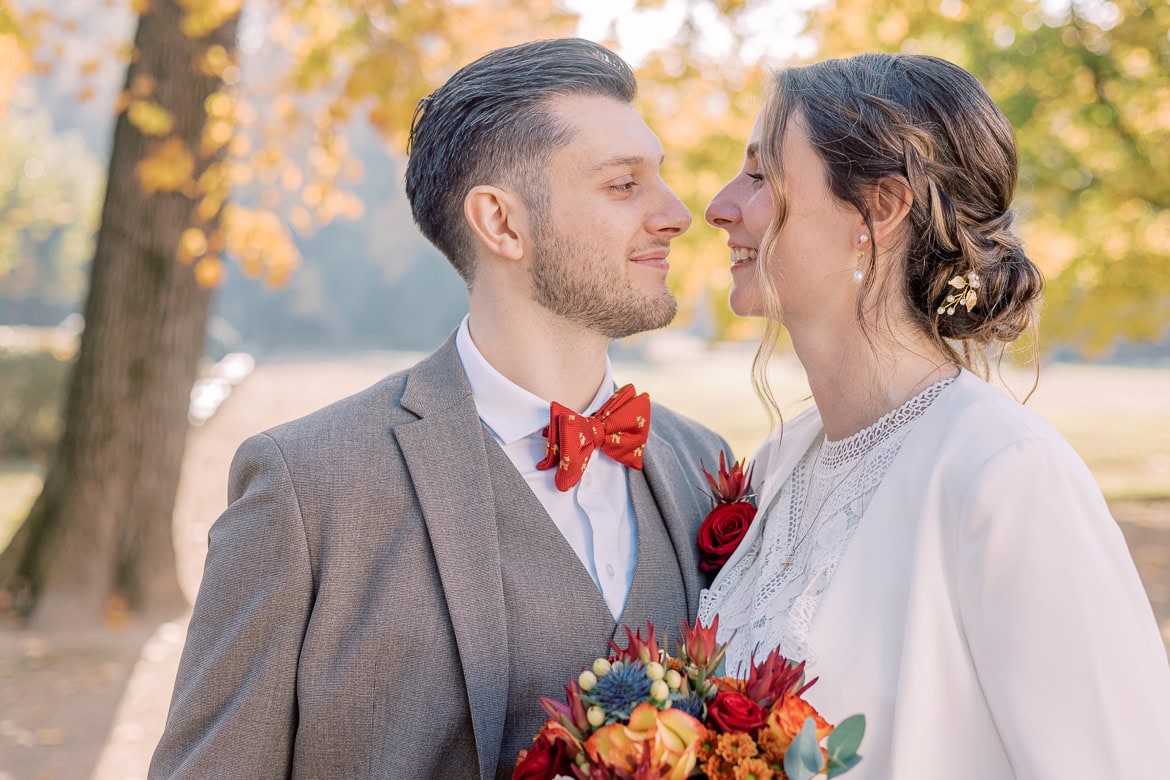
(858, 274)
(964, 295)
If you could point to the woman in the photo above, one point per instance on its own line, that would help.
(937, 552)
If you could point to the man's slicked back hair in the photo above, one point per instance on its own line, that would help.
(490, 123)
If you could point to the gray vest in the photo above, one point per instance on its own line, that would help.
(557, 620)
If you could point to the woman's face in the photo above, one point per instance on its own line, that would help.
(814, 256)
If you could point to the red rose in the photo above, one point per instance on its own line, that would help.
(543, 761)
(722, 532)
(734, 713)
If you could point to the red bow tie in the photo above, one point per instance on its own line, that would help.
(620, 429)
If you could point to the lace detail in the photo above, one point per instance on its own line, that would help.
(770, 597)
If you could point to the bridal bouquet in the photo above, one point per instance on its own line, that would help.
(643, 714)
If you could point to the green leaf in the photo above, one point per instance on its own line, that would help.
(846, 738)
(841, 767)
(843, 743)
(803, 759)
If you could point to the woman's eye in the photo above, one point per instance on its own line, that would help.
(757, 178)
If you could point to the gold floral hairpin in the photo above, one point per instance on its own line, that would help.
(964, 295)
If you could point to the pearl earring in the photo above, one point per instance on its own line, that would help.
(858, 274)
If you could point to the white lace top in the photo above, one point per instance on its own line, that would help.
(769, 597)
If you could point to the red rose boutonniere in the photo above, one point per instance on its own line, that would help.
(733, 508)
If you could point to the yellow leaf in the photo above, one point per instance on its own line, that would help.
(192, 244)
(215, 59)
(142, 85)
(218, 105)
(216, 133)
(291, 179)
(209, 272)
(168, 167)
(150, 118)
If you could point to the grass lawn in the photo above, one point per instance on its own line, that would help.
(20, 482)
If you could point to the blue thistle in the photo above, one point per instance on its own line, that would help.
(619, 692)
(692, 704)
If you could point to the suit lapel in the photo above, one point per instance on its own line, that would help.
(676, 495)
(446, 456)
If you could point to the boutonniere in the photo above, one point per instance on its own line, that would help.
(733, 508)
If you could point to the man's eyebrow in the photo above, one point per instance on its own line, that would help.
(621, 160)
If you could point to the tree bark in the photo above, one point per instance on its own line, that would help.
(100, 533)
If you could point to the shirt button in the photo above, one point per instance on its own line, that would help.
(609, 570)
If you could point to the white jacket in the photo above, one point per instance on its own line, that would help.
(987, 617)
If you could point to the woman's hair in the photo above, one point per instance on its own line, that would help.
(930, 123)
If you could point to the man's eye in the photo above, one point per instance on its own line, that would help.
(626, 187)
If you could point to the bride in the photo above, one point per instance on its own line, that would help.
(937, 552)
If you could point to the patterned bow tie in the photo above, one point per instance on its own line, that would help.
(619, 428)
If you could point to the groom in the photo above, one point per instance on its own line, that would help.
(400, 576)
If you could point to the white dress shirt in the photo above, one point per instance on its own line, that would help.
(595, 516)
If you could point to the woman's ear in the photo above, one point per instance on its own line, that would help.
(889, 205)
(498, 220)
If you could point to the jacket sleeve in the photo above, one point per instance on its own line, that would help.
(234, 709)
(1060, 630)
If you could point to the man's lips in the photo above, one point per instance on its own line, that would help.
(652, 259)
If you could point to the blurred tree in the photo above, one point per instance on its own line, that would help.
(98, 539)
(99, 533)
(1087, 86)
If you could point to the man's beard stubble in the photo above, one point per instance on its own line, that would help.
(567, 282)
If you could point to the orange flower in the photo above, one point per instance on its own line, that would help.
(672, 738)
(772, 745)
(754, 769)
(787, 719)
(716, 768)
(733, 747)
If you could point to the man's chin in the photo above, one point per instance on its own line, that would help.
(650, 314)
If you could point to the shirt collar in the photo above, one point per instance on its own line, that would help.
(510, 411)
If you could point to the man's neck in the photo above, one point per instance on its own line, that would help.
(547, 355)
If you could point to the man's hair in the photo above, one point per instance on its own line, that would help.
(490, 123)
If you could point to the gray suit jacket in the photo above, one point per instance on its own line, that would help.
(351, 619)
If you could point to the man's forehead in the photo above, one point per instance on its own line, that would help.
(606, 133)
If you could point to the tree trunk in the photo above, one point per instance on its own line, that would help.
(100, 532)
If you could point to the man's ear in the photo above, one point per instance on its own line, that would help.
(498, 220)
(889, 205)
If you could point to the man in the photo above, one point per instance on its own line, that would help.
(400, 576)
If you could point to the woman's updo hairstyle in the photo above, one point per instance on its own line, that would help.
(931, 123)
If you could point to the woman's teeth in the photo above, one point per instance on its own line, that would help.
(743, 255)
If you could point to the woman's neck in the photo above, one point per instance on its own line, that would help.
(855, 383)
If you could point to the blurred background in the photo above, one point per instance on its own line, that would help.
(203, 233)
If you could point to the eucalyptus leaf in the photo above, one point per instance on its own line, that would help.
(840, 767)
(846, 737)
(843, 743)
(803, 759)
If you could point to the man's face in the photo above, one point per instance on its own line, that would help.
(600, 247)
